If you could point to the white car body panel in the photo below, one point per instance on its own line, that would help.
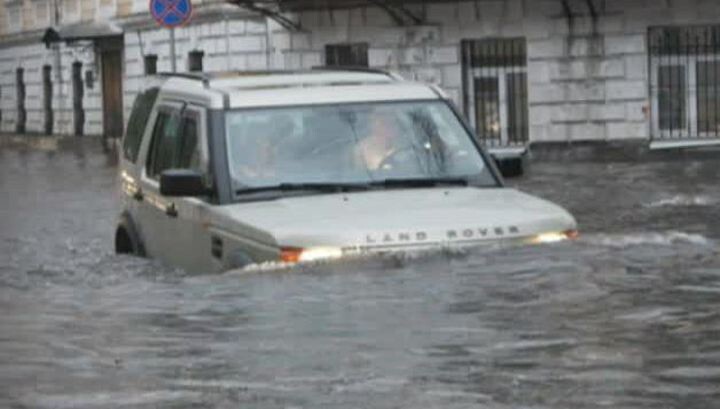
(402, 218)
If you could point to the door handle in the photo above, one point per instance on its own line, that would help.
(171, 210)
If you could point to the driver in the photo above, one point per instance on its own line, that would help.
(384, 139)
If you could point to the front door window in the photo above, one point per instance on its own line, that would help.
(174, 144)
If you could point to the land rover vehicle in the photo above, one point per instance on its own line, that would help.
(227, 170)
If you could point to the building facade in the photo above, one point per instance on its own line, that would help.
(523, 71)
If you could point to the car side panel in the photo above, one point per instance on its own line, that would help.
(130, 175)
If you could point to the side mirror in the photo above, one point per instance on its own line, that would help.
(182, 182)
(509, 166)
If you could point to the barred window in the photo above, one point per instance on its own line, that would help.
(495, 89)
(685, 82)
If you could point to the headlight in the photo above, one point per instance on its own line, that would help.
(295, 254)
(554, 237)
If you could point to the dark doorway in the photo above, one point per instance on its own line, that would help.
(47, 98)
(20, 90)
(112, 89)
(78, 91)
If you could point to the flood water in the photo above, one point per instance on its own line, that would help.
(628, 316)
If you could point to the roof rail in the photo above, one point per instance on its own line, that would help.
(199, 76)
(205, 78)
(358, 68)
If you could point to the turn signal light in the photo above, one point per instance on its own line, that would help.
(290, 254)
(296, 254)
(572, 234)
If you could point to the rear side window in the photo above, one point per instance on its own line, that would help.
(137, 122)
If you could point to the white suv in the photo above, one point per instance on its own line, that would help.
(224, 171)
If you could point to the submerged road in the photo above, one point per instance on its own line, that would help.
(626, 317)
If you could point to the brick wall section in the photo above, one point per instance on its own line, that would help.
(228, 45)
(87, 10)
(124, 8)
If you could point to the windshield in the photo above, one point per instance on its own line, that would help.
(351, 144)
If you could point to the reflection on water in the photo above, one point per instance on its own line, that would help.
(626, 317)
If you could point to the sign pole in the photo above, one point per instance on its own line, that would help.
(173, 62)
(170, 14)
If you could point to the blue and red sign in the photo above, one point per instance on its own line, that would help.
(171, 13)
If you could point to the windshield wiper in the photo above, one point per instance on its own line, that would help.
(421, 182)
(289, 187)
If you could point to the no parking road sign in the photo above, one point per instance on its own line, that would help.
(171, 13)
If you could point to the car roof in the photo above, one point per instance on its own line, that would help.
(286, 88)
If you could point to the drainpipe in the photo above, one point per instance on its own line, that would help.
(57, 66)
(568, 13)
(269, 50)
(228, 61)
(173, 59)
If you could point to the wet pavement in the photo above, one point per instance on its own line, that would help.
(626, 317)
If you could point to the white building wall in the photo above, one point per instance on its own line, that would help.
(586, 80)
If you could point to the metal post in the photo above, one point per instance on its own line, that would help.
(173, 62)
(57, 62)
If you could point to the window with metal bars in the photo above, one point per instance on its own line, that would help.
(495, 89)
(346, 55)
(685, 82)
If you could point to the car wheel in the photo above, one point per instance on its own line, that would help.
(127, 240)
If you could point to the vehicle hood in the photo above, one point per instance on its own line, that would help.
(407, 217)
